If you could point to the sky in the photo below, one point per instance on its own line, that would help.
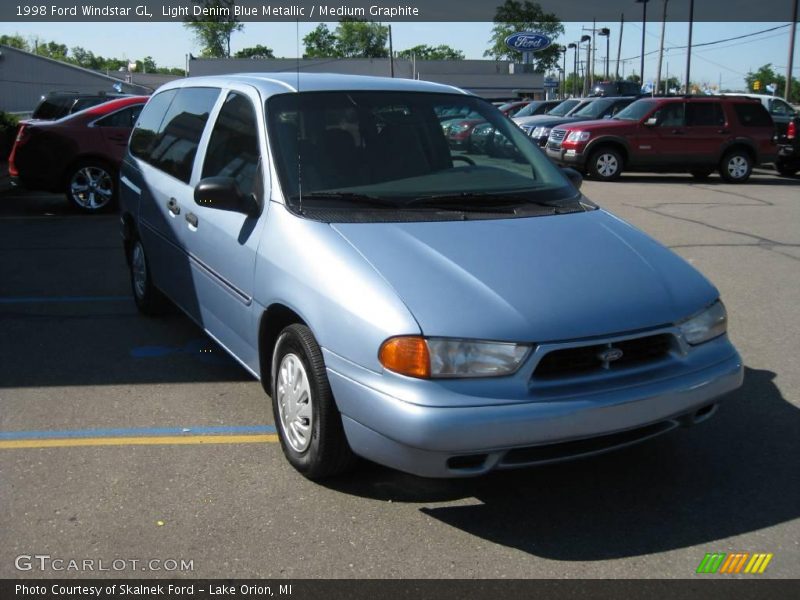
(725, 63)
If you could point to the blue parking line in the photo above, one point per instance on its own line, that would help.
(143, 431)
(46, 299)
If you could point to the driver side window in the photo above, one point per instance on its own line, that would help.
(670, 115)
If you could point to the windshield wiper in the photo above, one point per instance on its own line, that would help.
(348, 196)
(500, 202)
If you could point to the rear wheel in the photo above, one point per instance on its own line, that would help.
(736, 166)
(309, 424)
(149, 299)
(605, 164)
(92, 186)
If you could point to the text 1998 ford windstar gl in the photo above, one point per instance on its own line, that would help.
(442, 313)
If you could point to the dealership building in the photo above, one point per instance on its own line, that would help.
(487, 78)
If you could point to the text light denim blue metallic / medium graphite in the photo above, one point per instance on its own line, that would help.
(557, 282)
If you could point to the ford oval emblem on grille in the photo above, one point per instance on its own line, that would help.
(610, 355)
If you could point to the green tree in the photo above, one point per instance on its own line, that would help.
(320, 43)
(257, 51)
(213, 34)
(15, 41)
(426, 52)
(634, 77)
(353, 38)
(52, 50)
(766, 75)
(362, 39)
(515, 15)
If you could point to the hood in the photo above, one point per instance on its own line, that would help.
(531, 279)
(604, 124)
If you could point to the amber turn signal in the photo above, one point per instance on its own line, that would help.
(407, 355)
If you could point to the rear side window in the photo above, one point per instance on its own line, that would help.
(704, 114)
(752, 114)
(233, 147)
(122, 118)
(173, 147)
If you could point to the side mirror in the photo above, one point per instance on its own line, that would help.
(574, 177)
(651, 122)
(223, 193)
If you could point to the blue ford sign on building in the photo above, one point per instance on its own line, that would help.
(528, 41)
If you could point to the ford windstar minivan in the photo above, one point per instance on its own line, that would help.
(441, 313)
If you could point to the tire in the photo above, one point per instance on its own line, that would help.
(736, 166)
(149, 299)
(309, 424)
(701, 174)
(786, 170)
(605, 164)
(92, 186)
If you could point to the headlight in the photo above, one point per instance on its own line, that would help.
(578, 136)
(421, 357)
(541, 132)
(707, 325)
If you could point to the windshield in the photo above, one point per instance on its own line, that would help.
(635, 111)
(529, 110)
(375, 150)
(593, 109)
(563, 108)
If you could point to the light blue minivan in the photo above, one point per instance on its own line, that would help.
(443, 312)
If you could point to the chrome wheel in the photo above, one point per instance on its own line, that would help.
(293, 395)
(139, 270)
(607, 165)
(91, 187)
(738, 166)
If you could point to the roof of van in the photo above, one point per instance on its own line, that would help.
(280, 83)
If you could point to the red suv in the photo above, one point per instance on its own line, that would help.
(78, 154)
(694, 134)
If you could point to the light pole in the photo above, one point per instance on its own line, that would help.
(606, 33)
(619, 45)
(564, 72)
(586, 38)
(787, 92)
(644, 31)
(574, 46)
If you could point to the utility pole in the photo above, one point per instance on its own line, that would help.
(594, 52)
(619, 44)
(391, 54)
(657, 89)
(787, 92)
(689, 47)
(644, 31)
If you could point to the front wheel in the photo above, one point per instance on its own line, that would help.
(309, 424)
(605, 164)
(736, 166)
(92, 186)
(786, 169)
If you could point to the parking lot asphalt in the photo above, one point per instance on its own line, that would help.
(76, 359)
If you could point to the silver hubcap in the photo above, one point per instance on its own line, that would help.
(607, 165)
(139, 268)
(91, 188)
(737, 167)
(294, 403)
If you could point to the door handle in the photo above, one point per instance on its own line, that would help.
(723, 131)
(678, 131)
(191, 218)
(172, 206)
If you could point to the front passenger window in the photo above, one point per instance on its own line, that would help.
(233, 147)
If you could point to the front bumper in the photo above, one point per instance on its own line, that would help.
(568, 158)
(435, 441)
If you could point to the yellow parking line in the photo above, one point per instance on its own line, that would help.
(179, 440)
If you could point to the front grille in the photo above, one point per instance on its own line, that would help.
(558, 135)
(588, 359)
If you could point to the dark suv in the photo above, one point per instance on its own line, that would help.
(668, 134)
(55, 105)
